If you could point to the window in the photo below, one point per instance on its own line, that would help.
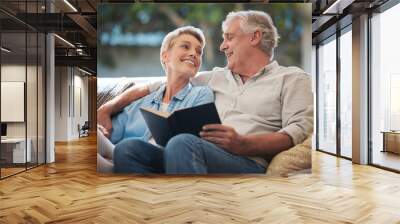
(22, 67)
(346, 75)
(385, 85)
(327, 96)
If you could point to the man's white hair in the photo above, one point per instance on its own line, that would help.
(251, 21)
(168, 40)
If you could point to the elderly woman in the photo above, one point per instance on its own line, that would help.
(180, 55)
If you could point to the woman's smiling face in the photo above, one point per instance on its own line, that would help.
(184, 56)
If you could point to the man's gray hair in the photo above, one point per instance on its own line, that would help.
(168, 40)
(251, 21)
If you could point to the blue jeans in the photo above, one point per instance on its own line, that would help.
(137, 156)
(184, 154)
(189, 154)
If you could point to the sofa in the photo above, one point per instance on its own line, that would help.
(294, 160)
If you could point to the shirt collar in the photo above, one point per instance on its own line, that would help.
(268, 69)
(159, 94)
(271, 67)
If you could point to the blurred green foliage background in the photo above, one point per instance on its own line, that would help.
(130, 35)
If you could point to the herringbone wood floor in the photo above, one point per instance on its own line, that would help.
(70, 191)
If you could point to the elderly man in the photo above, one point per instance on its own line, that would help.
(265, 108)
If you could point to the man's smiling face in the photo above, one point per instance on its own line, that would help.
(236, 46)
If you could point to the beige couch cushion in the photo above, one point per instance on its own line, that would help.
(295, 159)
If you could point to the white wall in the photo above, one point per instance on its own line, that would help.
(61, 103)
(33, 127)
(81, 94)
(16, 73)
(70, 84)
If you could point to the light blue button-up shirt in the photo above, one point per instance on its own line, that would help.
(130, 123)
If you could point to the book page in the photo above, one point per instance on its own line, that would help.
(159, 113)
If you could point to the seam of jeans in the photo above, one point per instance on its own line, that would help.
(200, 145)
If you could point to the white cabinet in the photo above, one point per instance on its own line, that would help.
(17, 145)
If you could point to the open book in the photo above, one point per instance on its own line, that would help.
(164, 125)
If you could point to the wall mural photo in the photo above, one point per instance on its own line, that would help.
(204, 88)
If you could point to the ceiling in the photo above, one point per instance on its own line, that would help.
(76, 22)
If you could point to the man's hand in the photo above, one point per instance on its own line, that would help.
(104, 123)
(225, 137)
